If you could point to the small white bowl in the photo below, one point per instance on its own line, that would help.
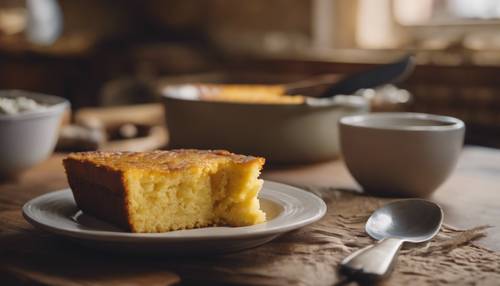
(401, 154)
(28, 138)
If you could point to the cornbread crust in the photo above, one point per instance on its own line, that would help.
(98, 179)
(107, 199)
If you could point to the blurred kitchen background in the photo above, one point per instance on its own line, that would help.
(118, 52)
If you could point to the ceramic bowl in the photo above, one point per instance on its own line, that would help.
(401, 154)
(28, 138)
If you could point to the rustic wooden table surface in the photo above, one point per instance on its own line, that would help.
(471, 197)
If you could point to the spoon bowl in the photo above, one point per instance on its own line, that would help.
(412, 220)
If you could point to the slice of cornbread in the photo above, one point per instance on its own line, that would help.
(167, 190)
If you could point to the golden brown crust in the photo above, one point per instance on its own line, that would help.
(163, 161)
(98, 191)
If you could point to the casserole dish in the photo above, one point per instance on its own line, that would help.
(282, 133)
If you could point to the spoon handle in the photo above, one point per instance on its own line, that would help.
(374, 261)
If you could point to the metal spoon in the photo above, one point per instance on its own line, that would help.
(412, 220)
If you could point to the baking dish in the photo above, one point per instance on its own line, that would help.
(282, 133)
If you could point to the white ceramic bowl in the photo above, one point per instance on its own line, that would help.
(401, 154)
(28, 138)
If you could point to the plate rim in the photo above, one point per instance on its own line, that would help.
(100, 235)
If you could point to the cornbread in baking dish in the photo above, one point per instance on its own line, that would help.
(248, 93)
(162, 191)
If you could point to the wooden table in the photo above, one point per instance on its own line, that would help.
(471, 197)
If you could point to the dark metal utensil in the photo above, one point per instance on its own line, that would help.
(330, 85)
(384, 74)
(411, 220)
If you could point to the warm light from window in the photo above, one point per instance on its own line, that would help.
(411, 12)
(476, 9)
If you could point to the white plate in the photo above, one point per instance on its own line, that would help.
(287, 208)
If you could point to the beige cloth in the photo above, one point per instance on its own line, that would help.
(310, 255)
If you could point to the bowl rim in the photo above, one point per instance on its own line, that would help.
(56, 105)
(357, 121)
